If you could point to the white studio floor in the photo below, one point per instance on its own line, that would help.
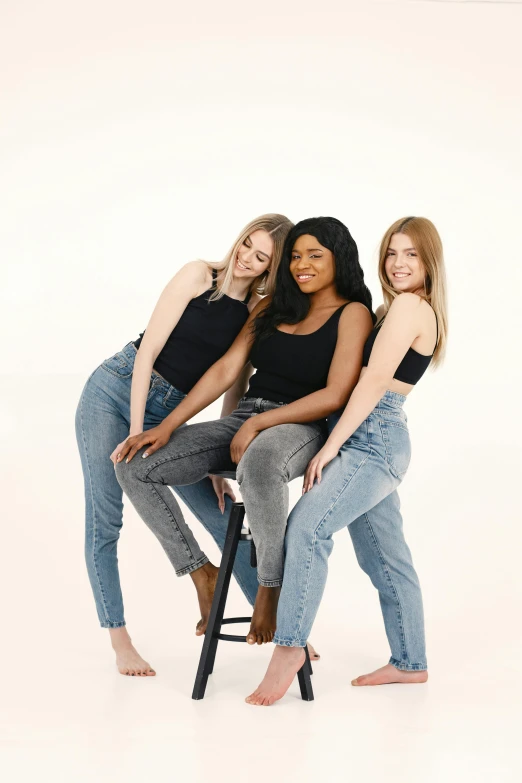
(67, 715)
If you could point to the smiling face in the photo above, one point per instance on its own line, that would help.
(312, 266)
(254, 255)
(403, 267)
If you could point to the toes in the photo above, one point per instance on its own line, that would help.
(251, 638)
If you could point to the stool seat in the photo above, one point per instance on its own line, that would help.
(227, 474)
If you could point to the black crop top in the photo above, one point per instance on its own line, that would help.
(290, 366)
(412, 367)
(205, 331)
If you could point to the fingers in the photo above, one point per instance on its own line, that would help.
(310, 476)
(227, 490)
(139, 443)
(153, 447)
(221, 500)
(126, 447)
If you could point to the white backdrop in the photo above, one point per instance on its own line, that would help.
(135, 137)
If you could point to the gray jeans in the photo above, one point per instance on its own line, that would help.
(275, 457)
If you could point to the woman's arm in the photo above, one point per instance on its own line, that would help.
(236, 391)
(404, 323)
(220, 377)
(355, 324)
(184, 286)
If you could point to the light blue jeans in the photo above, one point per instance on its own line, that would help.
(103, 421)
(358, 490)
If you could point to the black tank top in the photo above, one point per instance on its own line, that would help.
(205, 331)
(412, 367)
(290, 366)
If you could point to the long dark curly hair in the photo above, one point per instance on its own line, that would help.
(289, 305)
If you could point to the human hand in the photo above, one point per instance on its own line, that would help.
(242, 439)
(315, 467)
(222, 488)
(117, 450)
(155, 438)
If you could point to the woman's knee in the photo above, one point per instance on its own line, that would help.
(128, 473)
(260, 465)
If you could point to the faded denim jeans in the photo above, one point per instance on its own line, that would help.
(358, 490)
(275, 457)
(102, 421)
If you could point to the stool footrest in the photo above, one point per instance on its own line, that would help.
(229, 637)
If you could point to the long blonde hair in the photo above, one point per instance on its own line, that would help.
(278, 227)
(428, 245)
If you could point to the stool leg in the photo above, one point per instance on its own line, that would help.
(208, 653)
(303, 677)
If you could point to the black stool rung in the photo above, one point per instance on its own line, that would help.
(230, 637)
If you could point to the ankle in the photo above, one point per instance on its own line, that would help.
(289, 652)
(120, 638)
(203, 574)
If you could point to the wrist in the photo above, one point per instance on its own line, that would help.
(334, 443)
(260, 422)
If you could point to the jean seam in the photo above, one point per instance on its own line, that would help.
(193, 566)
(173, 519)
(94, 513)
(389, 451)
(408, 667)
(182, 456)
(391, 582)
(116, 374)
(269, 582)
(298, 448)
(300, 614)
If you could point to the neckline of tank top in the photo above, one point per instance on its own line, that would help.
(423, 355)
(214, 286)
(309, 334)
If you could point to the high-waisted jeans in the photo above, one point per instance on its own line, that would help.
(102, 421)
(358, 490)
(275, 457)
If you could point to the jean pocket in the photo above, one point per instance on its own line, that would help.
(170, 397)
(397, 446)
(119, 365)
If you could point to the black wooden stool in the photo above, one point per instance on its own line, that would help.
(235, 534)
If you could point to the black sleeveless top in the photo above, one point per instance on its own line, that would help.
(413, 365)
(205, 331)
(290, 366)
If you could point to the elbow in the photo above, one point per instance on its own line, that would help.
(376, 382)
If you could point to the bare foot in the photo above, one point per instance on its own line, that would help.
(204, 579)
(312, 652)
(285, 663)
(263, 625)
(389, 674)
(128, 660)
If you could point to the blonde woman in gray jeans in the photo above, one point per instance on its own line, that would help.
(306, 343)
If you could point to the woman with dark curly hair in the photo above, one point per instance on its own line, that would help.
(306, 343)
